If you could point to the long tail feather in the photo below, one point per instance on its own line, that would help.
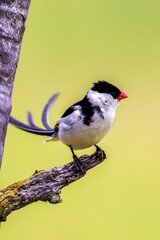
(30, 121)
(31, 126)
(45, 113)
(27, 128)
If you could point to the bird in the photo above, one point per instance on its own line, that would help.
(85, 123)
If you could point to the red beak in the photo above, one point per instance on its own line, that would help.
(122, 95)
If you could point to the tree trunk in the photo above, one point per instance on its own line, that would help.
(13, 15)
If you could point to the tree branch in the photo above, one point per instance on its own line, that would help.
(13, 14)
(44, 185)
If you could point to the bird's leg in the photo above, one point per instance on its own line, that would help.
(77, 161)
(99, 150)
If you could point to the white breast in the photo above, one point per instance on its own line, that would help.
(72, 130)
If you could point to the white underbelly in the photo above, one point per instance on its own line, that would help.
(81, 136)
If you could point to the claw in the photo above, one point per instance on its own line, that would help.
(100, 151)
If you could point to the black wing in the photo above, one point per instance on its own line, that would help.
(72, 108)
(68, 111)
(87, 110)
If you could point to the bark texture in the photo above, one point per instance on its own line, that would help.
(44, 185)
(13, 14)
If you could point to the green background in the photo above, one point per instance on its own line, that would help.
(67, 46)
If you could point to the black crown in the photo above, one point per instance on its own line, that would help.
(105, 87)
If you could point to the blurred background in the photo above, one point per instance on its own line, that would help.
(67, 46)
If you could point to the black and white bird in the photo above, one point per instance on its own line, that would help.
(85, 123)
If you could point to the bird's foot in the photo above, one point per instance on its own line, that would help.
(78, 164)
(100, 151)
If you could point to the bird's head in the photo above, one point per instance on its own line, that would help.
(105, 92)
(108, 88)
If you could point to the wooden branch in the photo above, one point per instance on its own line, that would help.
(44, 185)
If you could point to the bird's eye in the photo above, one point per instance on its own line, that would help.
(113, 94)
